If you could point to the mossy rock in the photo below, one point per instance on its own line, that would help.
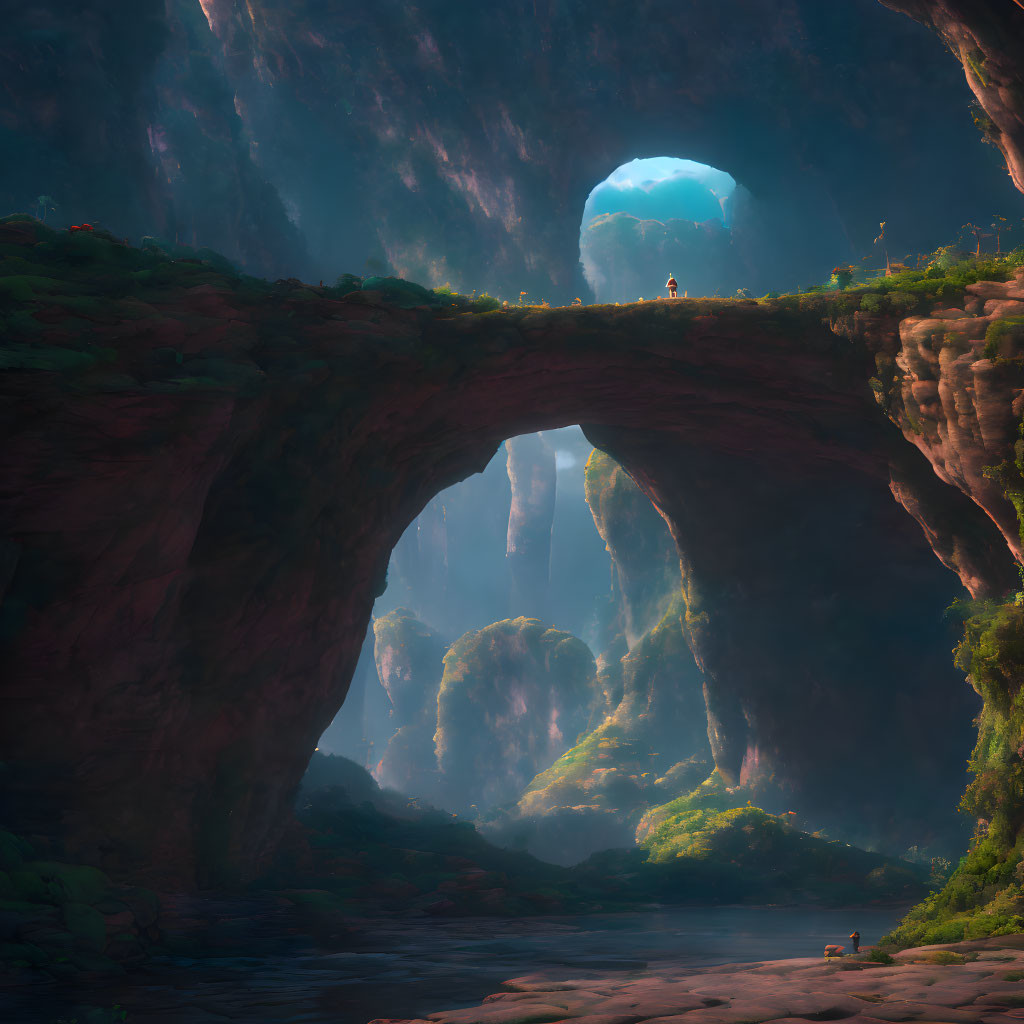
(25, 287)
(28, 910)
(23, 226)
(87, 926)
(401, 293)
(124, 948)
(944, 957)
(144, 904)
(23, 953)
(74, 883)
(30, 886)
(14, 851)
(45, 357)
(93, 962)
(502, 688)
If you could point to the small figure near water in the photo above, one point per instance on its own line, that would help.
(855, 939)
(672, 285)
(831, 951)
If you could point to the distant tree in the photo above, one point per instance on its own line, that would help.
(978, 233)
(880, 240)
(44, 203)
(999, 226)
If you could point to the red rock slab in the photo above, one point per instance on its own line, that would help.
(905, 1010)
(503, 1013)
(538, 983)
(654, 1006)
(609, 1018)
(1008, 997)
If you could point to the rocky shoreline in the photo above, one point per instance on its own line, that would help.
(978, 982)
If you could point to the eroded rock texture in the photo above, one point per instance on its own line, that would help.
(652, 747)
(643, 553)
(920, 985)
(764, 547)
(961, 397)
(513, 697)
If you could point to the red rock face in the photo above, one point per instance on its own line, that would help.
(195, 527)
(962, 397)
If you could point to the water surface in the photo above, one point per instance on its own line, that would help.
(405, 969)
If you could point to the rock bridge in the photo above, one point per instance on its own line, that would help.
(203, 481)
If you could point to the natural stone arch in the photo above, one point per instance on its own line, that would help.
(211, 623)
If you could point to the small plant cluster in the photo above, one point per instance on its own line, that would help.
(878, 956)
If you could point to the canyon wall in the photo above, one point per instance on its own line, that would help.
(300, 140)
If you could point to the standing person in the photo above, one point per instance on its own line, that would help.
(672, 285)
(855, 939)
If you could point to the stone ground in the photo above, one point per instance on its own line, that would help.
(987, 989)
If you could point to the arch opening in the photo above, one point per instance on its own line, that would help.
(669, 703)
(656, 217)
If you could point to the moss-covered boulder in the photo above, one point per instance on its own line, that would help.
(408, 655)
(409, 658)
(770, 854)
(61, 918)
(514, 696)
(651, 747)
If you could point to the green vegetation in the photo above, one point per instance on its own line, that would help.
(985, 894)
(69, 917)
(705, 833)
(712, 797)
(482, 303)
(651, 746)
(943, 280)
(503, 686)
(771, 854)
(364, 854)
(645, 557)
(975, 60)
(878, 956)
(1007, 327)
(944, 958)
